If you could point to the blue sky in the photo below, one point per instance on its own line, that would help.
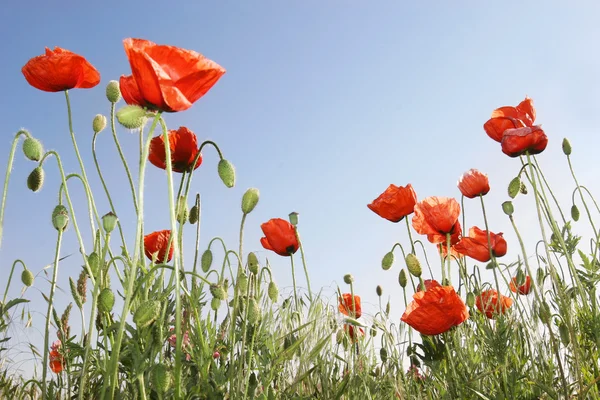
(323, 105)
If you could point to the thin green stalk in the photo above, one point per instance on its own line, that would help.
(197, 244)
(294, 282)
(412, 244)
(123, 160)
(10, 278)
(492, 256)
(305, 267)
(88, 196)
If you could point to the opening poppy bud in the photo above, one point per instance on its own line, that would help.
(402, 280)
(253, 311)
(575, 213)
(273, 291)
(106, 300)
(215, 304)
(27, 277)
(99, 123)
(564, 333)
(113, 91)
(348, 279)
(131, 117)
(566, 147)
(226, 172)
(387, 261)
(146, 313)
(194, 214)
(218, 292)
(250, 200)
(379, 290)
(523, 188)
(94, 263)
(253, 263)
(32, 148)
(60, 218)
(161, 378)
(383, 354)
(109, 221)
(471, 299)
(293, 217)
(514, 187)
(182, 210)
(413, 265)
(508, 208)
(206, 260)
(35, 180)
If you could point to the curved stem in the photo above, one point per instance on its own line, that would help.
(116, 139)
(10, 278)
(88, 195)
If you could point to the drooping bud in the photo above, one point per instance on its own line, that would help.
(373, 331)
(575, 213)
(113, 91)
(194, 214)
(33, 149)
(544, 312)
(339, 336)
(566, 147)
(99, 123)
(563, 330)
(94, 263)
(60, 218)
(218, 292)
(273, 291)
(508, 208)
(27, 277)
(253, 263)
(215, 304)
(35, 180)
(383, 355)
(253, 311)
(161, 378)
(348, 279)
(106, 300)
(387, 261)
(147, 313)
(540, 276)
(206, 260)
(226, 172)
(471, 299)
(293, 217)
(109, 221)
(250, 200)
(182, 210)
(514, 187)
(131, 117)
(242, 282)
(402, 280)
(413, 265)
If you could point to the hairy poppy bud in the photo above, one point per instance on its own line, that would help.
(113, 91)
(60, 218)
(413, 265)
(339, 336)
(379, 290)
(253, 263)
(544, 312)
(215, 304)
(27, 277)
(471, 299)
(106, 300)
(161, 378)
(218, 292)
(94, 263)
(348, 279)
(293, 217)
(99, 123)
(242, 282)
(575, 213)
(373, 331)
(508, 208)
(563, 330)
(182, 210)
(109, 222)
(383, 355)
(273, 291)
(206, 260)
(250, 200)
(147, 313)
(226, 172)
(402, 280)
(131, 117)
(35, 180)
(566, 147)
(540, 277)
(253, 311)
(514, 187)
(194, 215)
(32, 148)
(387, 261)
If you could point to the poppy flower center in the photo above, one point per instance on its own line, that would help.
(290, 249)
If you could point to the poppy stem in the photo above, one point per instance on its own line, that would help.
(492, 257)
(123, 160)
(213, 144)
(412, 244)
(304, 265)
(294, 281)
(10, 277)
(448, 257)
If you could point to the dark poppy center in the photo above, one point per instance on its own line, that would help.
(290, 249)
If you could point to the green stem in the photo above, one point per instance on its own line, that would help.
(294, 282)
(116, 139)
(412, 244)
(304, 265)
(491, 251)
(10, 278)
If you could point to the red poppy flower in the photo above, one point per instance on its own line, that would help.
(429, 283)
(523, 289)
(487, 303)
(59, 70)
(519, 141)
(166, 78)
(395, 203)
(435, 217)
(351, 332)
(476, 245)
(157, 242)
(473, 184)
(346, 307)
(507, 117)
(436, 310)
(184, 149)
(454, 239)
(280, 237)
(56, 362)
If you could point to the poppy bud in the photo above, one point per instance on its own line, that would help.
(35, 180)
(348, 279)
(540, 277)
(293, 217)
(182, 210)
(194, 215)
(575, 213)
(242, 282)
(253, 263)
(379, 290)
(339, 336)
(27, 277)
(387, 261)
(215, 304)
(109, 221)
(161, 378)
(253, 311)
(508, 208)
(99, 123)
(471, 299)
(216, 355)
(113, 91)
(60, 218)
(514, 187)
(564, 333)
(383, 355)
(250, 200)
(94, 263)
(147, 313)
(523, 188)
(32, 148)
(373, 331)
(413, 265)
(566, 147)
(544, 312)
(206, 260)
(273, 291)
(402, 278)
(131, 117)
(106, 300)
(218, 292)
(226, 172)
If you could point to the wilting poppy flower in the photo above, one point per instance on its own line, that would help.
(346, 307)
(395, 203)
(56, 362)
(354, 335)
(476, 245)
(435, 217)
(523, 289)
(158, 242)
(436, 310)
(280, 237)
(519, 141)
(59, 70)
(507, 117)
(166, 78)
(473, 184)
(487, 303)
(184, 149)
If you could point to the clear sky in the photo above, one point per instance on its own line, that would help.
(324, 104)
